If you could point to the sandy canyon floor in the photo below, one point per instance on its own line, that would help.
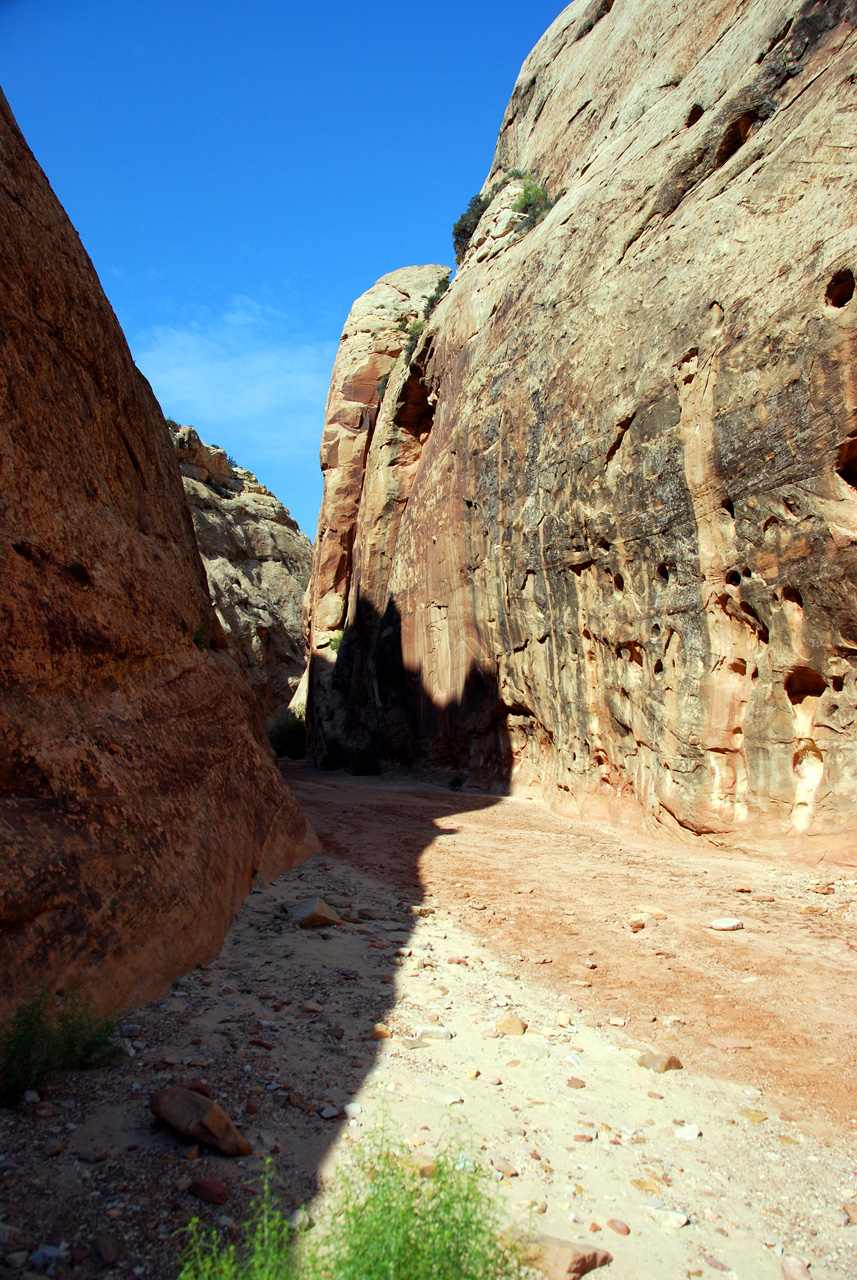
(462, 908)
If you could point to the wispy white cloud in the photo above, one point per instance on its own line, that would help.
(246, 385)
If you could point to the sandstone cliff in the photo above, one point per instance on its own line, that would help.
(257, 563)
(137, 793)
(619, 557)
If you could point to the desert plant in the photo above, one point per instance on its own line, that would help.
(414, 333)
(48, 1036)
(434, 298)
(266, 1254)
(336, 640)
(385, 1220)
(534, 202)
(463, 229)
(381, 387)
(201, 638)
(289, 738)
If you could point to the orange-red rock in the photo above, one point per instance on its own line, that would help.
(604, 547)
(138, 795)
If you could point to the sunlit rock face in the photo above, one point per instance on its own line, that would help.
(617, 552)
(138, 795)
(257, 563)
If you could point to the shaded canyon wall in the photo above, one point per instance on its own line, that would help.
(138, 795)
(614, 492)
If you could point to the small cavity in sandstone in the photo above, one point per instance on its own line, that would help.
(803, 683)
(840, 291)
(735, 137)
(696, 113)
(847, 466)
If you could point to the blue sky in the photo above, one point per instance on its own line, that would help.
(240, 172)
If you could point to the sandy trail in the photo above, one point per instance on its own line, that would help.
(754, 1146)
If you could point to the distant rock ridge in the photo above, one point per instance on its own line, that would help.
(138, 795)
(603, 547)
(257, 563)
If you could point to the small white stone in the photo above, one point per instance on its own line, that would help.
(727, 924)
(670, 1221)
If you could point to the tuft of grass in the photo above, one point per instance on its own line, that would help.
(266, 1254)
(335, 641)
(48, 1036)
(385, 1220)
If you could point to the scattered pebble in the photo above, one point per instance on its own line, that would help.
(659, 1062)
(211, 1190)
(511, 1025)
(727, 924)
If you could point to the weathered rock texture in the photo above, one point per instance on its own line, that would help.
(368, 471)
(137, 793)
(257, 563)
(619, 557)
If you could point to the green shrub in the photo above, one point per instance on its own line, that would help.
(48, 1036)
(289, 738)
(434, 299)
(201, 637)
(336, 640)
(462, 231)
(384, 1221)
(535, 202)
(414, 334)
(381, 387)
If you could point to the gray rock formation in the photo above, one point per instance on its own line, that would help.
(258, 564)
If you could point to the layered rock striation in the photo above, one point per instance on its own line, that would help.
(138, 795)
(619, 556)
(257, 563)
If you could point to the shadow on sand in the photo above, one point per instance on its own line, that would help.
(419, 762)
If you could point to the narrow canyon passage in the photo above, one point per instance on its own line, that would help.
(462, 913)
(553, 898)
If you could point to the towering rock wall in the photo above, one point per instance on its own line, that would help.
(257, 563)
(622, 568)
(137, 793)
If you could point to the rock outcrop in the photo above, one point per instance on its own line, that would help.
(257, 563)
(138, 795)
(619, 556)
(368, 469)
